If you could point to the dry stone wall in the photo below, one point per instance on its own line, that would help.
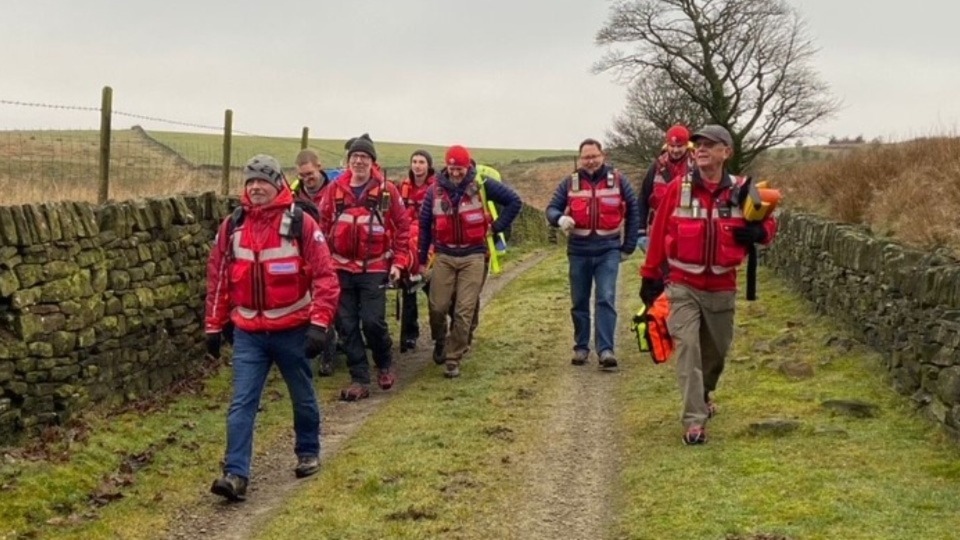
(903, 302)
(99, 304)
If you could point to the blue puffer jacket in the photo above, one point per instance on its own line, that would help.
(594, 245)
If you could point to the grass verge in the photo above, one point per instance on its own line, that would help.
(893, 476)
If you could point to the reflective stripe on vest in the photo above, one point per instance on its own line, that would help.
(303, 302)
(285, 250)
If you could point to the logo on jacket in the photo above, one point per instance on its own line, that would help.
(282, 268)
(318, 237)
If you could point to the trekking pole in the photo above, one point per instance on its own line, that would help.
(752, 273)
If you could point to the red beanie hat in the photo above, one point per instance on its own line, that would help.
(458, 156)
(677, 135)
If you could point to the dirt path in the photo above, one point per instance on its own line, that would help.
(273, 481)
(569, 489)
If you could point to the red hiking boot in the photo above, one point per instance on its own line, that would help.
(386, 379)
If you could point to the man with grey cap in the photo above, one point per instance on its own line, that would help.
(270, 274)
(700, 233)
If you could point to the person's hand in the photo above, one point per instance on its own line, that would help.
(624, 256)
(643, 242)
(214, 342)
(650, 289)
(752, 233)
(565, 223)
(395, 272)
(318, 338)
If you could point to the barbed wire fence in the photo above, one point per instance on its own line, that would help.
(96, 162)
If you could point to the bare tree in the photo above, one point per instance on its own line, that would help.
(743, 63)
(653, 105)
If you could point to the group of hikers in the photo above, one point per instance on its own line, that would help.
(300, 266)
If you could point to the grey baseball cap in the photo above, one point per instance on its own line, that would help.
(714, 133)
(263, 167)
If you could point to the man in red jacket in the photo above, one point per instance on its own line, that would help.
(270, 275)
(368, 230)
(701, 235)
(413, 189)
(675, 160)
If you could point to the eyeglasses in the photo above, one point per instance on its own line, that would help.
(360, 157)
(591, 157)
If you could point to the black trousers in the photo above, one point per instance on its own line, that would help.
(362, 314)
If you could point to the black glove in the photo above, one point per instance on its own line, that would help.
(318, 338)
(228, 333)
(650, 289)
(752, 233)
(214, 340)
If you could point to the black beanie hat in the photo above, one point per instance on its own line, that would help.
(426, 155)
(363, 144)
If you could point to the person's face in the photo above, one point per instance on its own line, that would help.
(591, 158)
(676, 151)
(309, 174)
(457, 174)
(360, 164)
(260, 191)
(710, 154)
(418, 165)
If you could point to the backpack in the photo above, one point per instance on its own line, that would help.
(650, 326)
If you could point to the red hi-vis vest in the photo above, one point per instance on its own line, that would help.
(359, 233)
(461, 226)
(599, 209)
(700, 238)
(665, 172)
(273, 282)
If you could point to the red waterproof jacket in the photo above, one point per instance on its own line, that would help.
(366, 233)
(263, 281)
(696, 240)
(665, 170)
(412, 196)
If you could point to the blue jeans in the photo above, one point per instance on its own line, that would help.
(253, 354)
(584, 272)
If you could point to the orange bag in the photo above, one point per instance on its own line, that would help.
(658, 337)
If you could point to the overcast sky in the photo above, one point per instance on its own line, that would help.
(484, 73)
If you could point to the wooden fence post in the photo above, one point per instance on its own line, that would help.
(106, 111)
(227, 145)
(305, 137)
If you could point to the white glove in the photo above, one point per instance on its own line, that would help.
(565, 223)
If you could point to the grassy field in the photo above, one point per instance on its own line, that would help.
(906, 191)
(45, 166)
(201, 149)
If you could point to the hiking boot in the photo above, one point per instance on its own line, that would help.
(355, 392)
(326, 367)
(608, 360)
(408, 344)
(438, 354)
(307, 466)
(451, 370)
(580, 357)
(695, 435)
(231, 487)
(386, 379)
